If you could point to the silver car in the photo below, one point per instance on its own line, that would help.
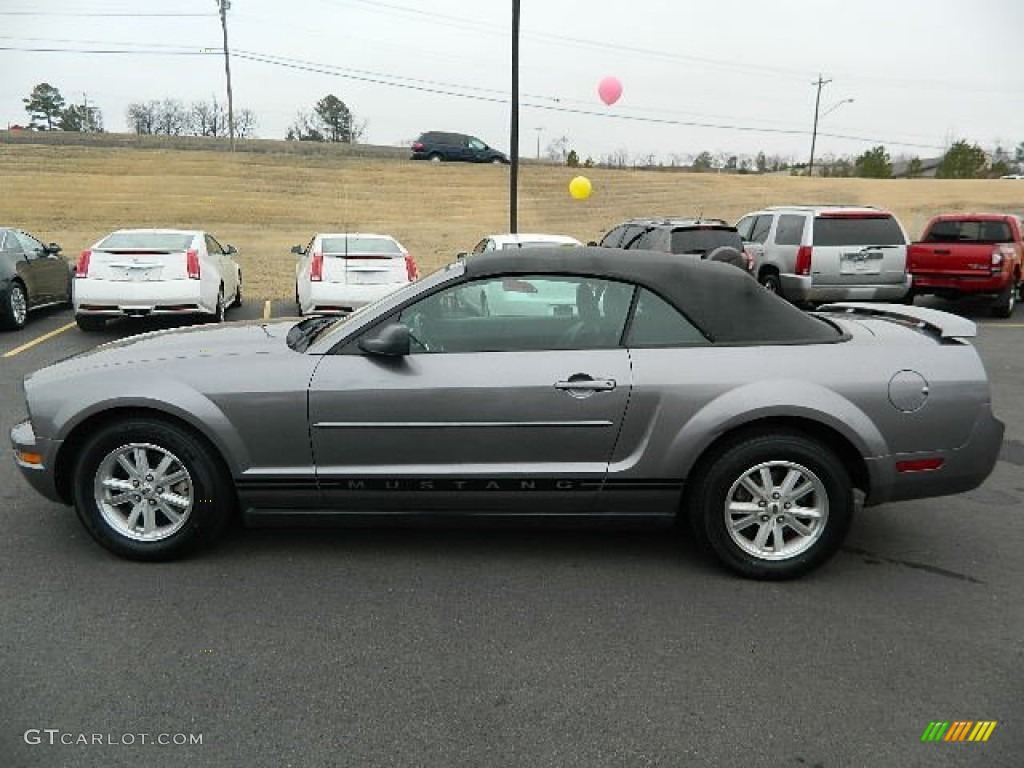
(671, 389)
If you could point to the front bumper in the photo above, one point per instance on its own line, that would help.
(803, 288)
(36, 457)
(963, 468)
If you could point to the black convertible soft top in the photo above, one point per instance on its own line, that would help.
(725, 302)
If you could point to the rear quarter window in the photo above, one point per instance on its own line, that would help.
(790, 229)
(875, 230)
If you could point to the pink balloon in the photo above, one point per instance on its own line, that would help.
(609, 89)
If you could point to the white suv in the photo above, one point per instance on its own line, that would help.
(827, 252)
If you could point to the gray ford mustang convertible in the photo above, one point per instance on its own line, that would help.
(612, 385)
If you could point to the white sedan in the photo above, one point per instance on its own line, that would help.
(509, 242)
(341, 272)
(143, 272)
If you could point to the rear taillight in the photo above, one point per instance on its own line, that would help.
(410, 268)
(803, 260)
(82, 268)
(192, 264)
(418, 146)
(518, 286)
(1001, 254)
(316, 267)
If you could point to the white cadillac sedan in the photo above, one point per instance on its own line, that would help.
(341, 272)
(144, 272)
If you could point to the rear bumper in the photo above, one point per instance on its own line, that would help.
(342, 297)
(39, 474)
(964, 284)
(803, 288)
(112, 298)
(964, 468)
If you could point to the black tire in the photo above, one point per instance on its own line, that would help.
(435, 157)
(1005, 302)
(209, 492)
(497, 161)
(91, 323)
(729, 255)
(717, 481)
(220, 311)
(238, 293)
(14, 312)
(771, 283)
(909, 298)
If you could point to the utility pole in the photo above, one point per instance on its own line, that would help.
(86, 123)
(224, 5)
(513, 184)
(538, 129)
(814, 133)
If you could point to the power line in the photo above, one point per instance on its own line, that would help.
(103, 14)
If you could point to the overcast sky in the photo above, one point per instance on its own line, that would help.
(921, 73)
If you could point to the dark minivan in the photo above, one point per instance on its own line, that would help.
(441, 145)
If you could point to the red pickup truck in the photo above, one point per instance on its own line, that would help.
(970, 254)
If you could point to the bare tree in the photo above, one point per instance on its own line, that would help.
(558, 149)
(209, 118)
(171, 118)
(142, 117)
(245, 123)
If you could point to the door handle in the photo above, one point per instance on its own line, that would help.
(586, 385)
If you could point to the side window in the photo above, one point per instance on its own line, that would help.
(517, 313)
(613, 238)
(632, 234)
(745, 225)
(476, 144)
(651, 241)
(30, 245)
(656, 323)
(790, 230)
(213, 247)
(759, 232)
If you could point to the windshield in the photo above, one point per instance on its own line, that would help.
(378, 246)
(305, 333)
(704, 240)
(875, 230)
(155, 241)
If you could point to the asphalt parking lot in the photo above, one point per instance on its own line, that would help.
(511, 647)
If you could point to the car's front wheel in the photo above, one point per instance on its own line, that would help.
(772, 505)
(150, 490)
(771, 283)
(14, 311)
(220, 310)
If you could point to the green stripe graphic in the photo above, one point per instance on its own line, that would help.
(935, 731)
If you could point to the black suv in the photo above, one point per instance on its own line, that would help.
(440, 145)
(713, 239)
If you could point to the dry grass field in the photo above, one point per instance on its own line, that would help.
(265, 203)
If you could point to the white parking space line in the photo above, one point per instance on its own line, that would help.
(266, 309)
(38, 340)
(1001, 325)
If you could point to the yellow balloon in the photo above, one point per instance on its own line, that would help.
(580, 187)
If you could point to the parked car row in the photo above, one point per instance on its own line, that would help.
(808, 254)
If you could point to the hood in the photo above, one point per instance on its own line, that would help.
(205, 341)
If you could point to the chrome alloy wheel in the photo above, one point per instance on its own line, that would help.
(143, 492)
(19, 305)
(776, 510)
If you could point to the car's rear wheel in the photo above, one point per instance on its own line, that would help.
(14, 311)
(772, 505)
(771, 283)
(496, 161)
(150, 490)
(238, 292)
(220, 310)
(91, 323)
(1005, 301)
(435, 157)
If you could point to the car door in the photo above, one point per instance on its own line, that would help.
(754, 231)
(45, 274)
(215, 253)
(484, 413)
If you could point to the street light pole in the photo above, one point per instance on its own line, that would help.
(814, 133)
(513, 183)
(224, 5)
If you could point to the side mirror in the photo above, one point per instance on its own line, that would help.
(461, 254)
(230, 249)
(391, 340)
(53, 248)
(298, 250)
